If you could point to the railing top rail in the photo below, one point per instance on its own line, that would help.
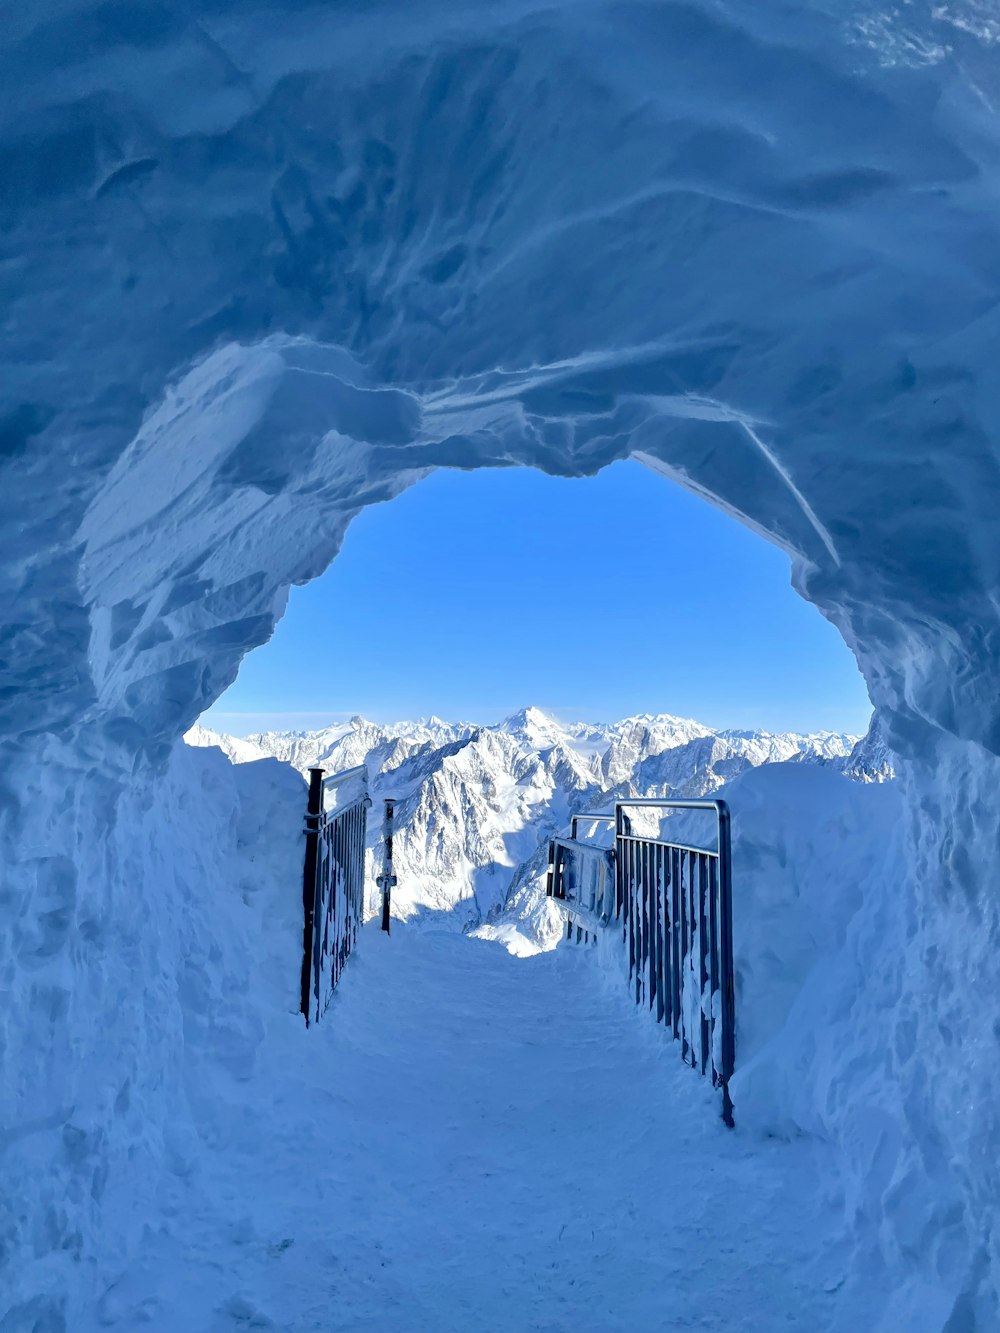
(718, 805)
(576, 845)
(360, 771)
(715, 804)
(335, 811)
(674, 846)
(590, 817)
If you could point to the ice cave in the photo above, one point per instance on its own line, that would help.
(264, 265)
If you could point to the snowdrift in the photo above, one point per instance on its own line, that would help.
(115, 1089)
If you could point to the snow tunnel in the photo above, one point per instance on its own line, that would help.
(266, 265)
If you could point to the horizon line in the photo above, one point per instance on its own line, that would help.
(378, 718)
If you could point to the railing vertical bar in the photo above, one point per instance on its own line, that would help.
(355, 862)
(703, 957)
(629, 904)
(619, 869)
(728, 971)
(340, 908)
(675, 940)
(654, 927)
(684, 955)
(344, 902)
(713, 955)
(629, 907)
(357, 869)
(668, 1002)
(653, 922)
(695, 1035)
(364, 841)
(689, 974)
(318, 913)
(344, 867)
(339, 895)
(647, 920)
(665, 937)
(360, 909)
(351, 853)
(349, 884)
(640, 917)
(654, 898)
(359, 906)
(335, 891)
(657, 935)
(335, 875)
(635, 897)
(693, 859)
(657, 932)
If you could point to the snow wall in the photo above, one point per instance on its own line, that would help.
(265, 265)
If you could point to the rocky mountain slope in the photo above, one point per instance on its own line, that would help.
(476, 805)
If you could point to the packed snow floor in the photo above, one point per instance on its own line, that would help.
(473, 1141)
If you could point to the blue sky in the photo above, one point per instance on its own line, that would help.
(474, 594)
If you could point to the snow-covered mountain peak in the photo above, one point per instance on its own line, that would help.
(537, 728)
(239, 750)
(476, 804)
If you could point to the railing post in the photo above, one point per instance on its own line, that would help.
(387, 880)
(314, 810)
(728, 988)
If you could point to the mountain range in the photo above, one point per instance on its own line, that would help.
(477, 804)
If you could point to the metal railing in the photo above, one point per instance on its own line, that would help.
(332, 882)
(582, 876)
(674, 903)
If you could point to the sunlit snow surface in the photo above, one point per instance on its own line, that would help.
(482, 1162)
(262, 265)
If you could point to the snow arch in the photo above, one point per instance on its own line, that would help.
(264, 266)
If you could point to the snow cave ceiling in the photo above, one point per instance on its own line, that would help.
(263, 265)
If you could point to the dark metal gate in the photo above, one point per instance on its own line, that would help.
(674, 903)
(332, 881)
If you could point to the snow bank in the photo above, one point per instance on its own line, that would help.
(162, 943)
(822, 1038)
(809, 848)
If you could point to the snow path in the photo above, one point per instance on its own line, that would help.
(473, 1141)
